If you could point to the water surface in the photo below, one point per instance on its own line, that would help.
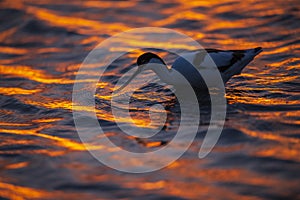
(42, 45)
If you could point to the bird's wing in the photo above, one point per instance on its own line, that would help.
(222, 59)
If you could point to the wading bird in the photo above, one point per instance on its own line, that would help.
(194, 64)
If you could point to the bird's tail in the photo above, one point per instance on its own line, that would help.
(256, 50)
(237, 68)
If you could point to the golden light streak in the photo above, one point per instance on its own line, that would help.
(73, 22)
(21, 193)
(20, 91)
(13, 124)
(46, 120)
(63, 142)
(32, 74)
(17, 165)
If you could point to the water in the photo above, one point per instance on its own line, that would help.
(42, 45)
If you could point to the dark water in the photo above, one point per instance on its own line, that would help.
(42, 45)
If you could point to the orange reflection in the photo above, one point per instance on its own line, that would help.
(262, 100)
(17, 192)
(62, 142)
(188, 177)
(13, 124)
(74, 22)
(17, 165)
(20, 193)
(12, 50)
(108, 4)
(32, 74)
(150, 144)
(13, 91)
(286, 152)
(46, 120)
(5, 34)
(149, 185)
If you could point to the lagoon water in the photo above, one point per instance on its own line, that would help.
(42, 45)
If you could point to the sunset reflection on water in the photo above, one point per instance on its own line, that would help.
(42, 46)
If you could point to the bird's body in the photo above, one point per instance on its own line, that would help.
(194, 65)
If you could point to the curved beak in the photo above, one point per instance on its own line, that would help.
(129, 80)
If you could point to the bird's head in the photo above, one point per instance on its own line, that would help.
(143, 64)
(148, 57)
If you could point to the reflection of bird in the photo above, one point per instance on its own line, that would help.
(194, 64)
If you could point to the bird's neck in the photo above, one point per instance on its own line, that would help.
(162, 71)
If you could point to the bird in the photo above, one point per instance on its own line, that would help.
(193, 65)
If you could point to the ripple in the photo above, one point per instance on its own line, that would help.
(42, 45)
